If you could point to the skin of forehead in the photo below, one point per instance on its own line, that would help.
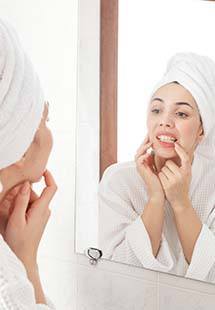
(194, 104)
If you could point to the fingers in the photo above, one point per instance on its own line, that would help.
(146, 140)
(33, 196)
(21, 203)
(11, 196)
(167, 172)
(143, 148)
(25, 203)
(51, 188)
(12, 193)
(142, 158)
(185, 160)
(172, 167)
(48, 192)
(14, 190)
(144, 161)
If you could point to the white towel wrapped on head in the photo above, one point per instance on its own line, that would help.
(197, 74)
(21, 98)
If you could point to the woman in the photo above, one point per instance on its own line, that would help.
(159, 211)
(25, 146)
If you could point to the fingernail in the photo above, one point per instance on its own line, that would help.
(45, 172)
(25, 188)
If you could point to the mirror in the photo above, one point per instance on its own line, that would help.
(114, 220)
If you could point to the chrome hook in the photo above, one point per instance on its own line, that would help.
(94, 254)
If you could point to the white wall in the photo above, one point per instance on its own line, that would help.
(150, 32)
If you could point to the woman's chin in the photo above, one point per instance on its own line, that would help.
(166, 152)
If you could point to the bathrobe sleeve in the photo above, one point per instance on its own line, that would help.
(49, 306)
(122, 233)
(16, 291)
(202, 265)
(20, 295)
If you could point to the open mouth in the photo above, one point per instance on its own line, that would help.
(165, 139)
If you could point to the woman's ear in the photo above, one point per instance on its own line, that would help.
(201, 135)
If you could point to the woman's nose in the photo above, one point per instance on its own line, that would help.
(166, 122)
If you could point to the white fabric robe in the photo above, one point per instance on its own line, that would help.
(16, 291)
(124, 238)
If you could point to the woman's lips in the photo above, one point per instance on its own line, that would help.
(166, 144)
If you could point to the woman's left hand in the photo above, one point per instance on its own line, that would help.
(176, 180)
(7, 205)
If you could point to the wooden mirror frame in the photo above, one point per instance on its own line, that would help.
(108, 82)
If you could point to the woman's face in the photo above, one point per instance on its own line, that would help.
(38, 153)
(173, 110)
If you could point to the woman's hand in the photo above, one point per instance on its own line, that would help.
(145, 167)
(27, 220)
(176, 180)
(6, 206)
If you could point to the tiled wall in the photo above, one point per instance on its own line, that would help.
(112, 286)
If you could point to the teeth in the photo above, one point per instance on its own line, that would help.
(166, 139)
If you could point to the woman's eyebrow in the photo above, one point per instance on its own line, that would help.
(177, 103)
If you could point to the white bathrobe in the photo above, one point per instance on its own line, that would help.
(16, 291)
(123, 237)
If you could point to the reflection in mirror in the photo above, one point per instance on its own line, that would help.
(156, 206)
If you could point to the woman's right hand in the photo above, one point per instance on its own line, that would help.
(145, 167)
(27, 221)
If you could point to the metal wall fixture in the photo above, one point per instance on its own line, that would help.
(94, 255)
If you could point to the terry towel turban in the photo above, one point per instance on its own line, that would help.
(197, 74)
(21, 98)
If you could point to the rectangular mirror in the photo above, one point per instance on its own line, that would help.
(123, 52)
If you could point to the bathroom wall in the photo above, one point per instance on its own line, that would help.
(49, 32)
(110, 286)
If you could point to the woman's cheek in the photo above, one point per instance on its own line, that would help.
(187, 136)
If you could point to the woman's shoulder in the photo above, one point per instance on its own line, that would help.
(123, 174)
(123, 180)
(119, 169)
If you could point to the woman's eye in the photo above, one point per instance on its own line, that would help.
(155, 110)
(183, 114)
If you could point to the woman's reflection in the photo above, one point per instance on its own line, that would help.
(158, 211)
